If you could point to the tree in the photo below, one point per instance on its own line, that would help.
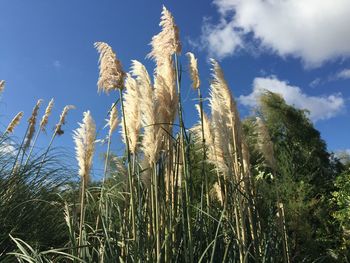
(303, 180)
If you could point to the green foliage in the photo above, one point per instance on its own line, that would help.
(30, 206)
(303, 180)
(342, 215)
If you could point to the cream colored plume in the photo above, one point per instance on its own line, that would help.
(225, 121)
(165, 93)
(265, 144)
(216, 191)
(193, 68)
(220, 121)
(167, 42)
(15, 121)
(208, 133)
(62, 121)
(45, 118)
(164, 45)
(121, 169)
(132, 112)
(245, 157)
(111, 72)
(223, 94)
(113, 120)
(151, 140)
(2, 86)
(32, 122)
(84, 138)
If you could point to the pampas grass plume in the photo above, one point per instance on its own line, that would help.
(45, 118)
(132, 112)
(193, 68)
(2, 86)
(84, 138)
(111, 72)
(152, 133)
(113, 120)
(167, 42)
(32, 122)
(62, 120)
(15, 121)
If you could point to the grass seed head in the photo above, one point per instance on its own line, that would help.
(15, 121)
(2, 86)
(193, 68)
(111, 75)
(45, 118)
(62, 120)
(32, 122)
(84, 138)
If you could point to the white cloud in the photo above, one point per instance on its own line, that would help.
(343, 155)
(57, 64)
(313, 30)
(320, 107)
(316, 82)
(7, 148)
(344, 74)
(221, 40)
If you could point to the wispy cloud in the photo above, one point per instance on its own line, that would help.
(57, 64)
(344, 74)
(7, 148)
(343, 155)
(316, 82)
(319, 107)
(315, 31)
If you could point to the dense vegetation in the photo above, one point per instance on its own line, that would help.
(262, 189)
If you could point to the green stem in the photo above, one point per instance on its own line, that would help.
(19, 150)
(204, 149)
(31, 148)
(82, 210)
(46, 152)
(184, 158)
(129, 167)
(156, 199)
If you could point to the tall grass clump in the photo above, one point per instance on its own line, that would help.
(175, 193)
(146, 210)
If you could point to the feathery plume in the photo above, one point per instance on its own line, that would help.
(165, 93)
(216, 191)
(111, 72)
(220, 127)
(2, 86)
(164, 45)
(208, 135)
(132, 112)
(113, 120)
(167, 42)
(193, 70)
(15, 121)
(121, 171)
(45, 118)
(84, 138)
(151, 140)
(245, 157)
(224, 108)
(32, 122)
(62, 120)
(265, 144)
(222, 92)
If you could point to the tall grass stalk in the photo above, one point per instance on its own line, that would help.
(58, 131)
(130, 179)
(185, 160)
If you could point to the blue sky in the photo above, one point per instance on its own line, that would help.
(300, 48)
